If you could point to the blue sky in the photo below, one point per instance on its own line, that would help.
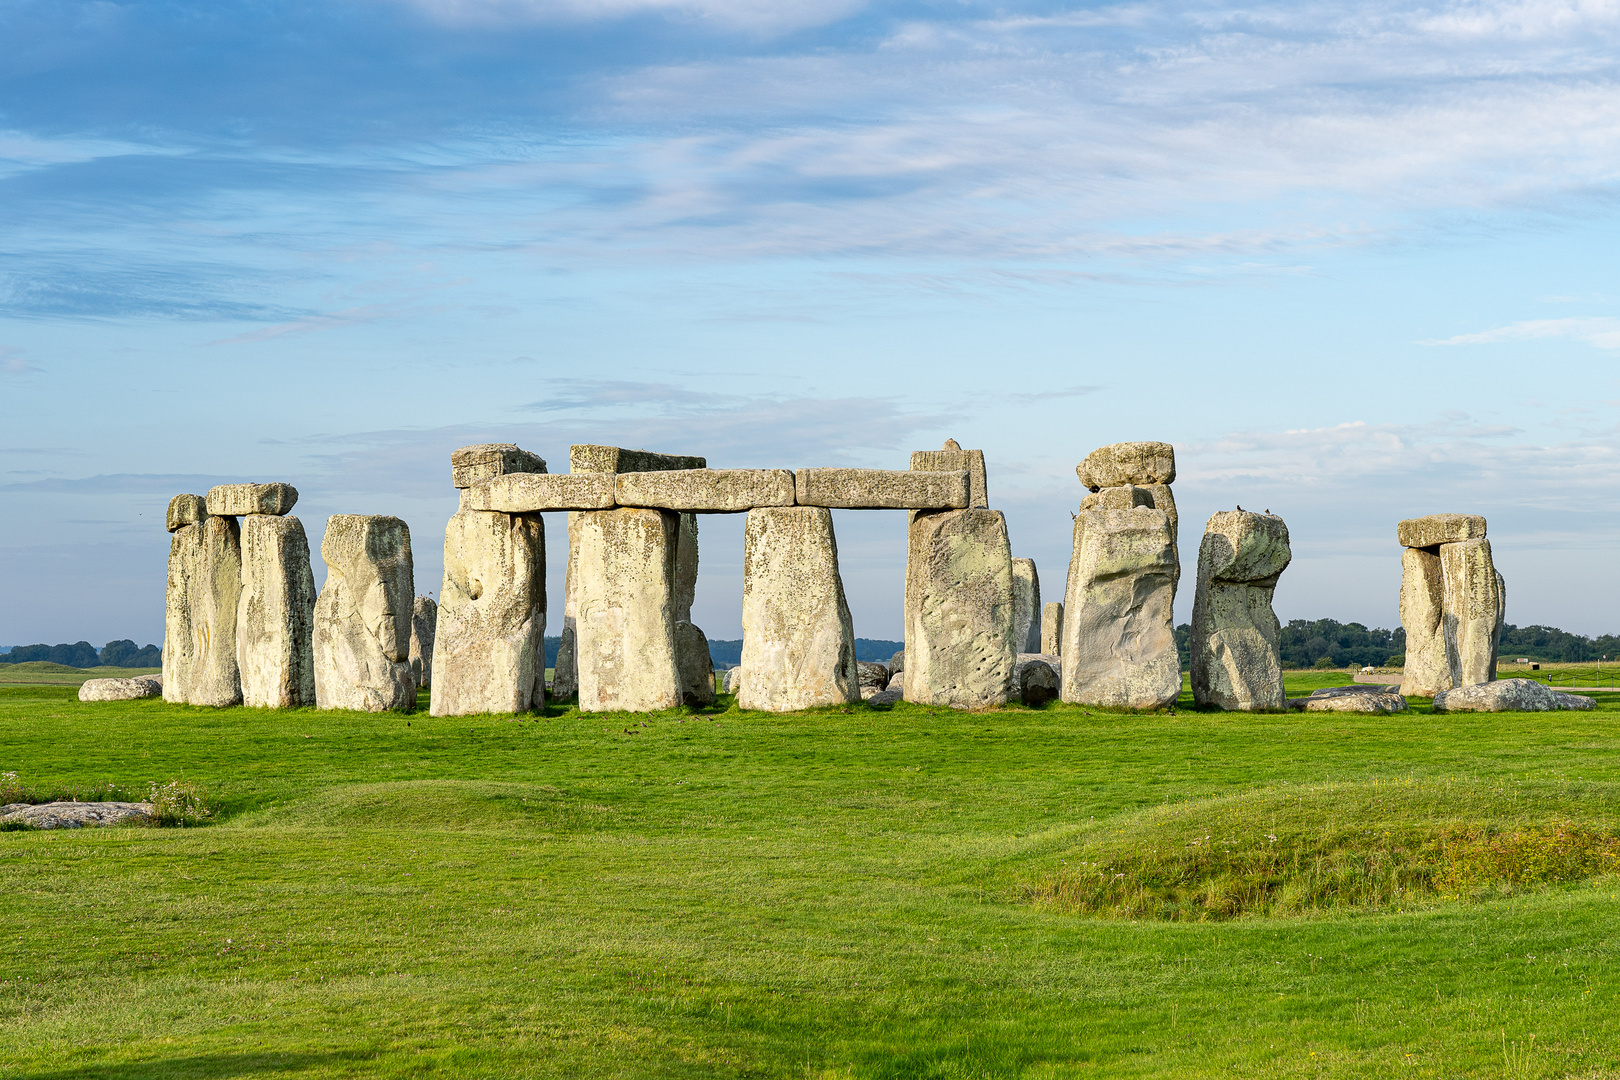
(1356, 260)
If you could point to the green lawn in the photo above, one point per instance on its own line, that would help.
(860, 893)
(45, 673)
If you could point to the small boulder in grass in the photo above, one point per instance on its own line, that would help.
(1357, 699)
(74, 815)
(1508, 695)
(874, 675)
(144, 686)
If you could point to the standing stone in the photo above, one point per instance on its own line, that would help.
(1052, 629)
(1026, 606)
(960, 648)
(1473, 610)
(204, 589)
(275, 616)
(625, 587)
(1150, 466)
(1427, 671)
(798, 641)
(1119, 645)
(696, 666)
(424, 621)
(489, 640)
(1236, 639)
(565, 672)
(363, 615)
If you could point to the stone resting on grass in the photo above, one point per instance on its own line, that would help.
(142, 686)
(1357, 699)
(1236, 639)
(363, 615)
(1508, 695)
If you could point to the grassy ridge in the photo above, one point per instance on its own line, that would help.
(824, 894)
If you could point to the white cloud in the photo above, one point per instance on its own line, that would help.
(756, 16)
(1601, 333)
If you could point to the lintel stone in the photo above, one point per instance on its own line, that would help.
(1437, 529)
(952, 458)
(881, 489)
(239, 500)
(529, 493)
(613, 459)
(705, 491)
(1140, 463)
(472, 464)
(186, 510)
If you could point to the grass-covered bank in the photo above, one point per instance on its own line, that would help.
(833, 894)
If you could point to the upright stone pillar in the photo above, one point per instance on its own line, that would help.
(960, 648)
(275, 617)
(565, 673)
(1236, 638)
(1026, 606)
(1119, 646)
(1052, 629)
(1453, 603)
(424, 623)
(798, 640)
(204, 589)
(489, 641)
(625, 630)
(363, 615)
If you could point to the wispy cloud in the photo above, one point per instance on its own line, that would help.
(1601, 333)
(310, 323)
(760, 16)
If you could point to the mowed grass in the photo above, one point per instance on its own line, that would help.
(45, 673)
(826, 894)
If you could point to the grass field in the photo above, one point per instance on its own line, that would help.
(914, 893)
(45, 673)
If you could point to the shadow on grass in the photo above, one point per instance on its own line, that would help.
(203, 1067)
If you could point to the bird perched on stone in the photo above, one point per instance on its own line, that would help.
(1240, 508)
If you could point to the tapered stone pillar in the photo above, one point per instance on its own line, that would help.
(424, 624)
(1474, 607)
(1052, 629)
(1026, 606)
(798, 640)
(489, 641)
(1427, 671)
(363, 615)
(960, 646)
(276, 614)
(625, 630)
(1119, 646)
(1236, 638)
(204, 590)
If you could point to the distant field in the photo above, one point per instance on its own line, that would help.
(1024, 893)
(45, 673)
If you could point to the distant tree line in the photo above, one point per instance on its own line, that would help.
(82, 654)
(728, 654)
(1324, 643)
(1554, 645)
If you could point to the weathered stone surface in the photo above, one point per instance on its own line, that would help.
(1123, 497)
(613, 459)
(533, 492)
(186, 510)
(1473, 610)
(870, 674)
(1236, 639)
(472, 465)
(1427, 671)
(1508, 695)
(733, 680)
(897, 663)
(1026, 605)
(624, 634)
(881, 489)
(887, 699)
(565, 673)
(75, 815)
(489, 641)
(142, 686)
(1039, 678)
(363, 615)
(686, 567)
(275, 616)
(798, 641)
(1139, 463)
(960, 648)
(696, 666)
(424, 625)
(239, 500)
(204, 588)
(954, 459)
(705, 491)
(1381, 700)
(1052, 629)
(1437, 529)
(1119, 646)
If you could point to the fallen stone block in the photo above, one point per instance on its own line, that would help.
(535, 492)
(1039, 678)
(424, 621)
(489, 634)
(798, 640)
(1508, 695)
(142, 686)
(873, 675)
(275, 615)
(887, 699)
(960, 648)
(204, 589)
(954, 459)
(881, 489)
(75, 815)
(1138, 463)
(1026, 606)
(696, 666)
(897, 663)
(1052, 629)
(363, 615)
(186, 510)
(1378, 700)
(1437, 529)
(624, 632)
(472, 465)
(705, 491)
(1119, 646)
(240, 500)
(1236, 638)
